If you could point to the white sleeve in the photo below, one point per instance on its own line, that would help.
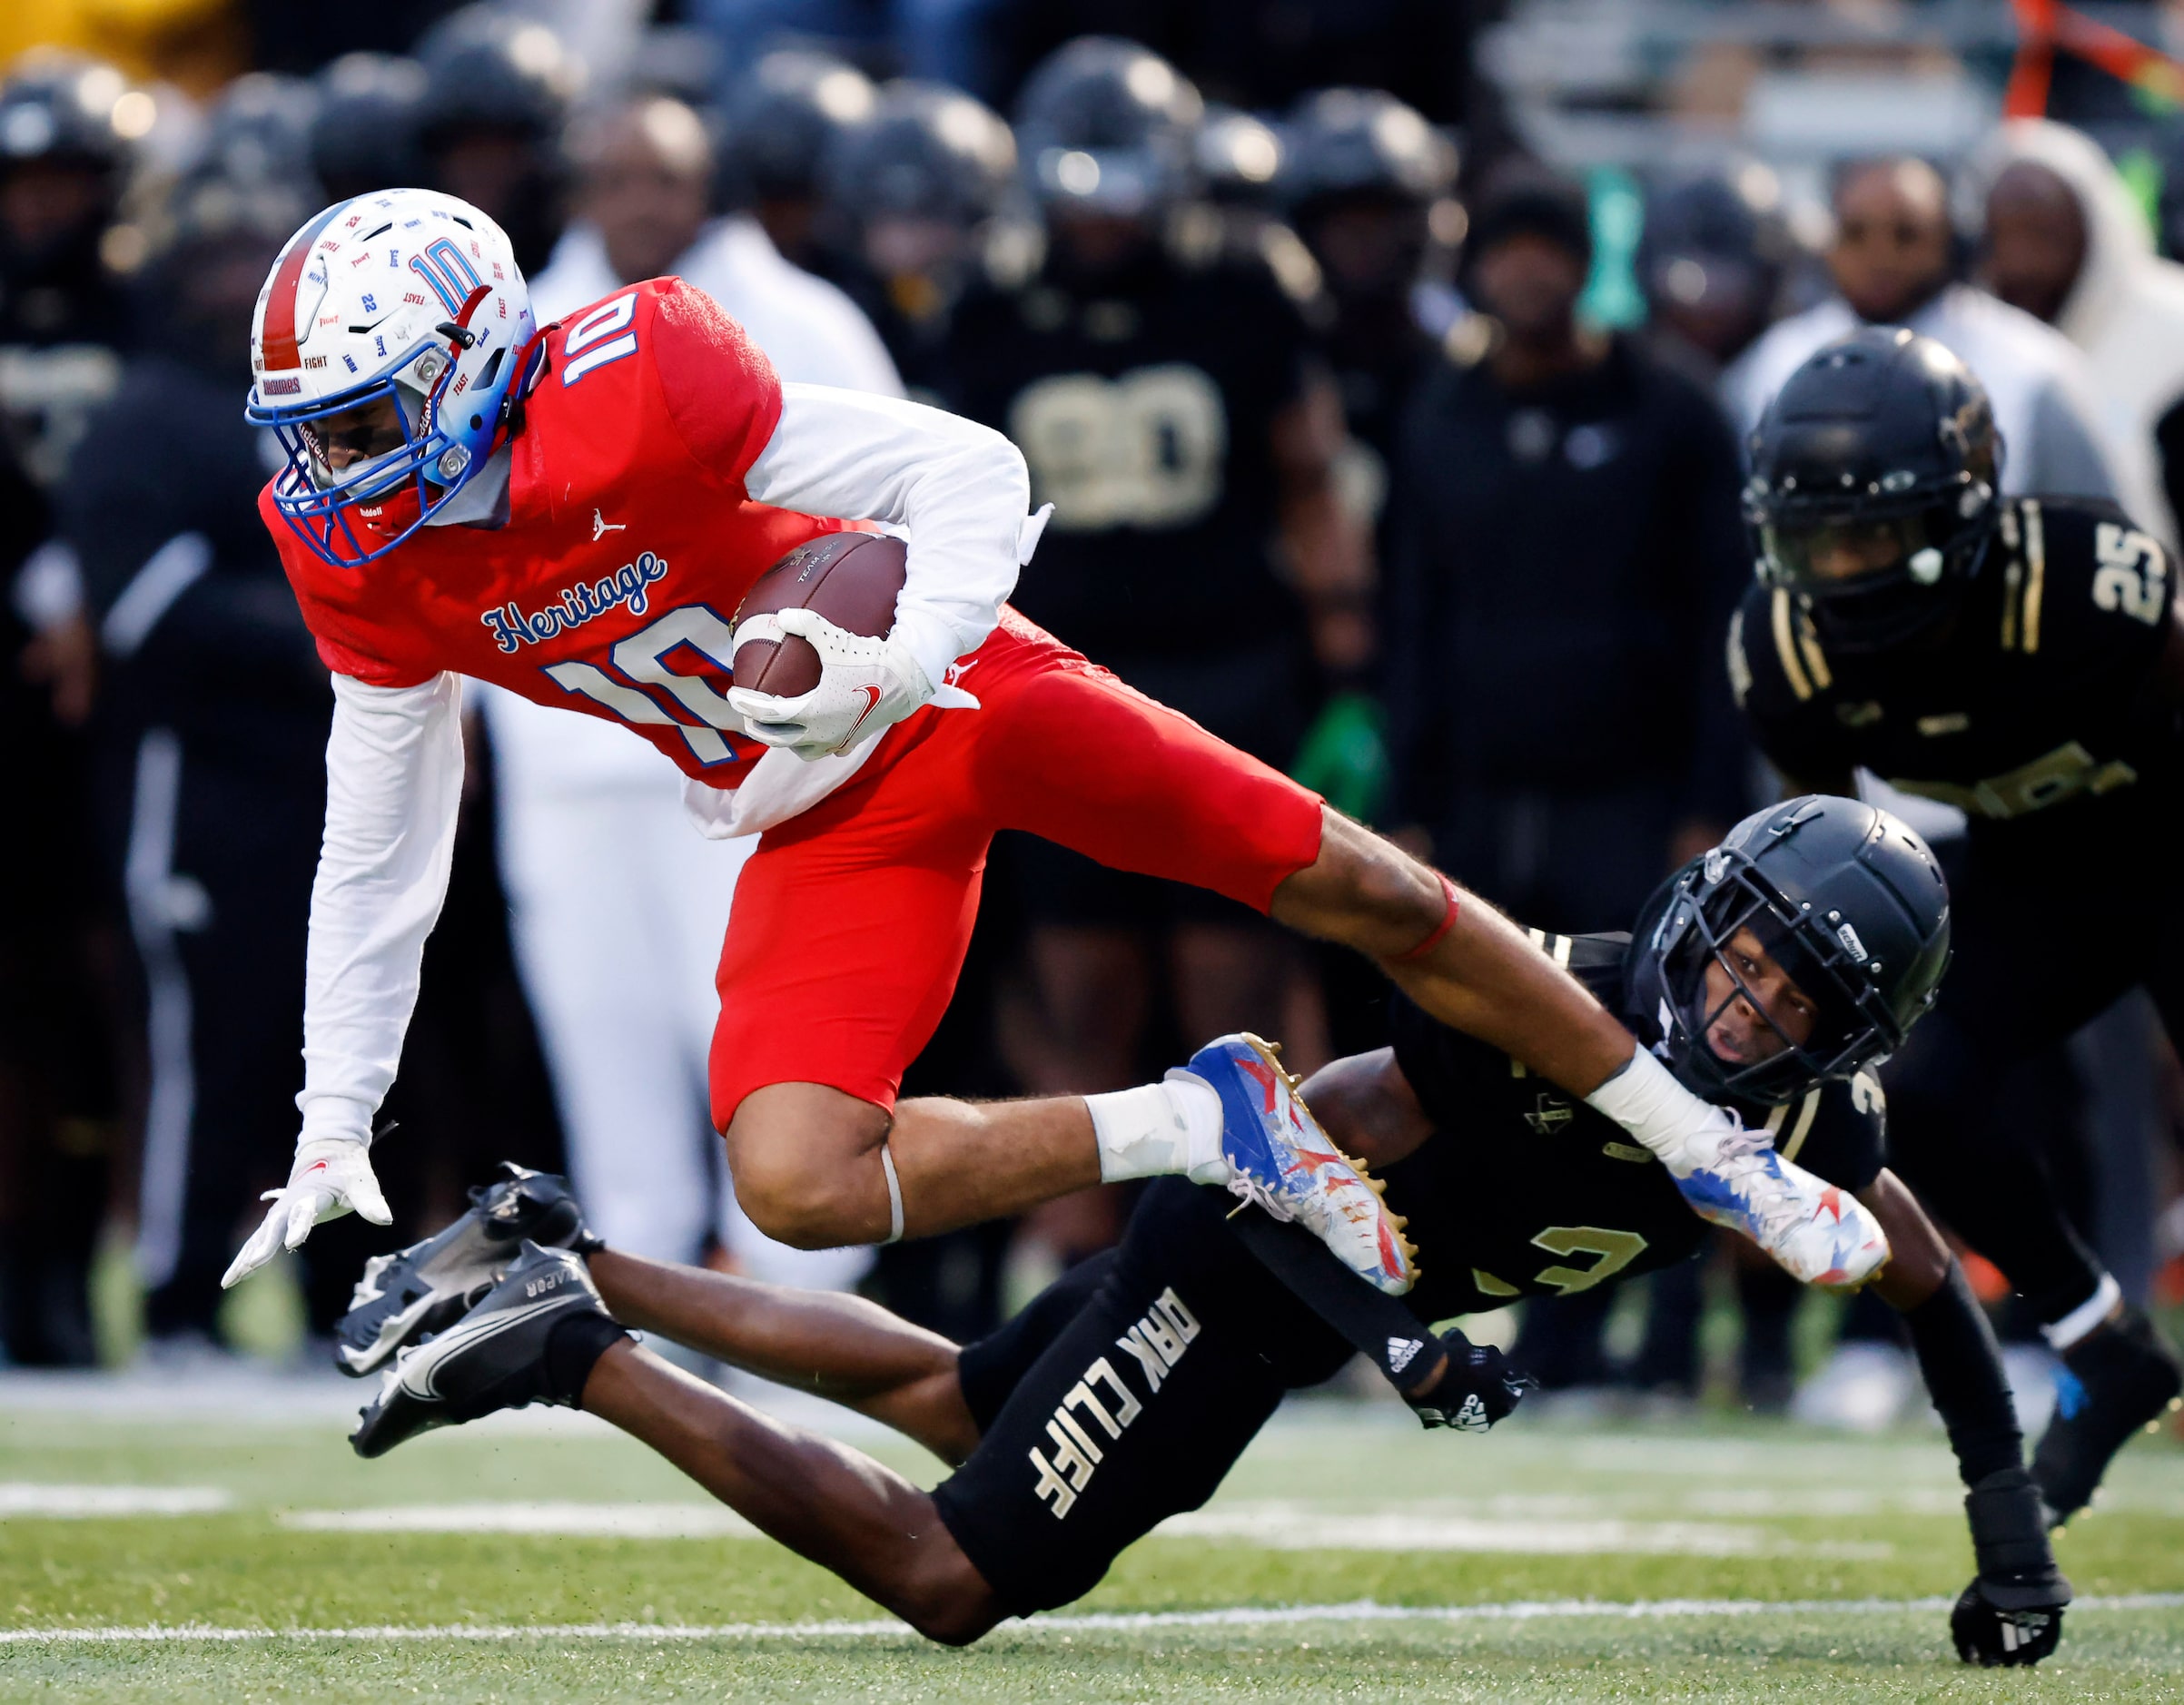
(393, 786)
(957, 489)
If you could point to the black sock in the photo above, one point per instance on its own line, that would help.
(573, 1349)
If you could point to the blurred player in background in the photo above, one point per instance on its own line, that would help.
(617, 907)
(2022, 659)
(491, 121)
(778, 120)
(1169, 403)
(1715, 258)
(67, 141)
(1369, 187)
(215, 716)
(364, 135)
(911, 197)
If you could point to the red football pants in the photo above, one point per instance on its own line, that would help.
(852, 919)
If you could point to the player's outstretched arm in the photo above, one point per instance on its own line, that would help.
(1473, 970)
(958, 489)
(2012, 1613)
(393, 787)
(844, 1348)
(1455, 955)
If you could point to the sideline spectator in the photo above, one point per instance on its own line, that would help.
(1567, 548)
(619, 904)
(1892, 262)
(2062, 239)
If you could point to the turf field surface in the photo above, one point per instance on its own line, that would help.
(182, 1545)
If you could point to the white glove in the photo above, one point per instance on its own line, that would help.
(331, 1176)
(865, 685)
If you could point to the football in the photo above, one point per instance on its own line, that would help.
(851, 578)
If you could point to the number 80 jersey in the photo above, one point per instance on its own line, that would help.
(627, 541)
(1141, 401)
(2034, 697)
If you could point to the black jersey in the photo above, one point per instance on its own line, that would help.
(1522, 1191)
(2036, 695)
(1143, 409)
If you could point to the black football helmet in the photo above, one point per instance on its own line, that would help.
(782, 117)
(364, 136)
(498, 93)
(1346, 142)
(929, 152)
(259, 131)
(1109, 127)
(1719, 239)
(65, 106)
(1872, 489)
(486, 69)
(1846, 899)
(1238, 157)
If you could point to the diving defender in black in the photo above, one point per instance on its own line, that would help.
(1769, 972)
(2022, 659)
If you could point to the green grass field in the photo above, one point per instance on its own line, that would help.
(1543, 1562)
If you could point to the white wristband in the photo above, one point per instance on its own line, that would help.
(1647, 1101)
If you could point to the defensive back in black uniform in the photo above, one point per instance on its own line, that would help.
(1772, 973)
(2021, 658)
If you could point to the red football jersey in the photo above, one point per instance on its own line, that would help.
(631, 540)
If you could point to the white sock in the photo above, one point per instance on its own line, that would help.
(2077, 1326)
(1159, 1130)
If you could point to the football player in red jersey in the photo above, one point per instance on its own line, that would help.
(576, 513)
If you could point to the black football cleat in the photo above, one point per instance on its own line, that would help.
(2115, 1380)
(419, 1290)
(494, 1358)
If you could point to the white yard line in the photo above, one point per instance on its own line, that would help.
(1107, 1622)
(48, 1503)
(606, 1521)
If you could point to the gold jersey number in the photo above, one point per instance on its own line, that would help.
(1142, 451)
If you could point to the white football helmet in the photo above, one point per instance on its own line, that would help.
(403, 293)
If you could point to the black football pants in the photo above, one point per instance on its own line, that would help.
(1122, 1396)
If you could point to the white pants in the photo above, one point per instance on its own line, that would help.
(617, 909)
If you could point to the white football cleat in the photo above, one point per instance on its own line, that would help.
(1281, 1160)
(1816, 1232)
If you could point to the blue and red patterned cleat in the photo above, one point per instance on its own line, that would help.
(1819, 1234)
(1281, 1160)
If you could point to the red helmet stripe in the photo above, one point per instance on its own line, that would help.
(277, 341)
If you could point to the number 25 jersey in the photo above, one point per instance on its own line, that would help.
(2034, 696)
(629, 542)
